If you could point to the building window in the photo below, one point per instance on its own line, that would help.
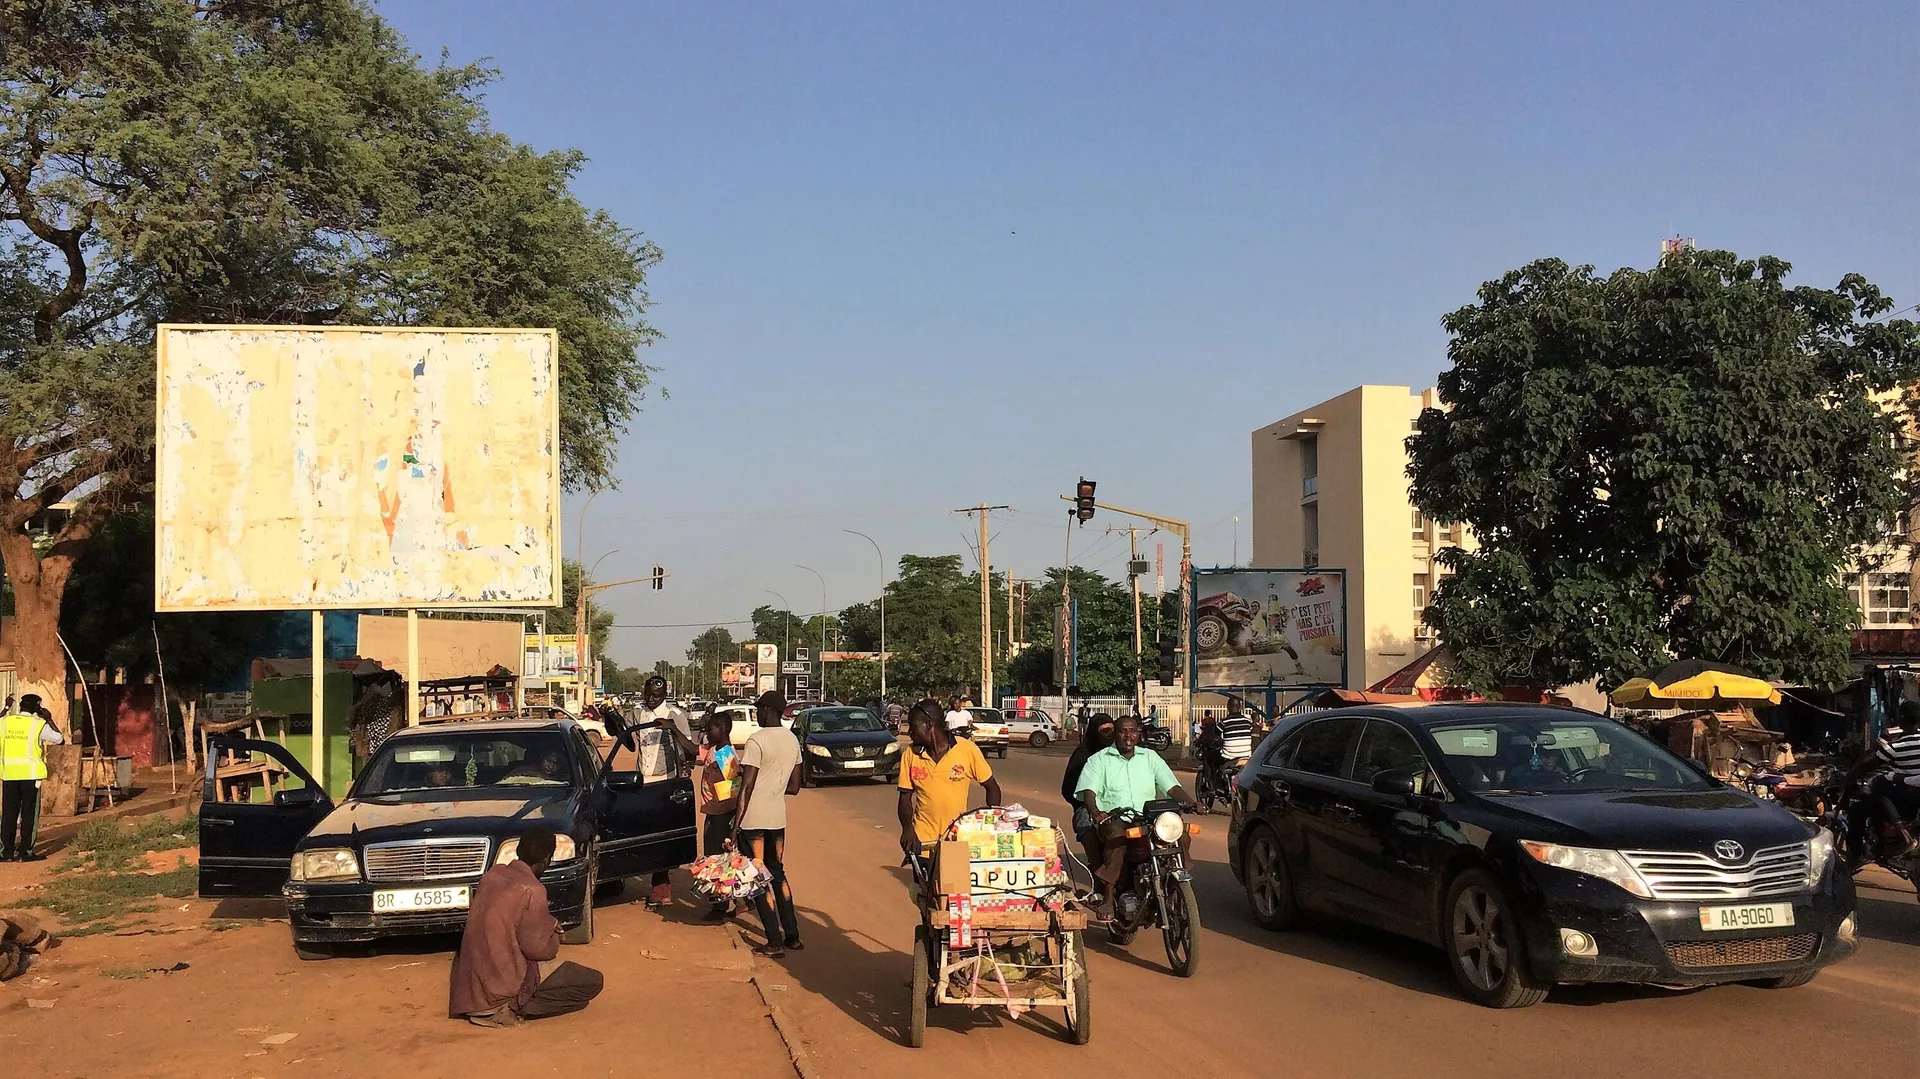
(1419, 525)
(1309, 467)
(1419, 595)
(1883, 600)
(1310, 535)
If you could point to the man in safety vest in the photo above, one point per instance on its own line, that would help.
(24, 734)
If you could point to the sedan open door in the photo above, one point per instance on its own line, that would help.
(645, 813)
(256, 804)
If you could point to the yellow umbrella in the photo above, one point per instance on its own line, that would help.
(1696, 683)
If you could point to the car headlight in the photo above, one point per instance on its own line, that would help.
(819, 751)
(1608, 865)
(1168, 828)
(1819, 853)
(890, 747)
(326, 863)
(563, 850)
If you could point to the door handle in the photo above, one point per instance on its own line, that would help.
(1345, 810)
(215, 822)
(680, 798)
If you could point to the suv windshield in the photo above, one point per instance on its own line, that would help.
(456, 761)
(1553, 755)
(837, 720)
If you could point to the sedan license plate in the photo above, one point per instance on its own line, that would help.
(1748, 916)
(395, 900)
(857, 764)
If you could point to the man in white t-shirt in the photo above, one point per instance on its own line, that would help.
(664, 741)
(769, 773)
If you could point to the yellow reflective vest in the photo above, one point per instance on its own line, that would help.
(21, 756)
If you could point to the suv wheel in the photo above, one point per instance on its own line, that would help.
(1484, 945)
(1269, 883)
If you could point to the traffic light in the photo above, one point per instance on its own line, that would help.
(1083, 500)
(1169, 663)
(659, 579)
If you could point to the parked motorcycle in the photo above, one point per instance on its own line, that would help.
(1162, 893)
(1214, 782)
(1155, 737)
(1885, 846)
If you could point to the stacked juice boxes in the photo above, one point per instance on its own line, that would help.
(1013, 859)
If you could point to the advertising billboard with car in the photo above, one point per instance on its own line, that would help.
(1260, 628)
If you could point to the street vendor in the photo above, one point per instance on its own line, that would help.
(655, 724)
(1124, 776)
(938, 778)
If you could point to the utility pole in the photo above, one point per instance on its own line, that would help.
(986, 604)
(1061, 643)
(1011, 604)
(1133, 579)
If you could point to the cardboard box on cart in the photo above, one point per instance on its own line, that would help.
(953, 868)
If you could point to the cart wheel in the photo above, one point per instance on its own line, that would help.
(922, 988)
(1080, 1008)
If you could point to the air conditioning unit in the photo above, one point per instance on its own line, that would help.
(1424, 632)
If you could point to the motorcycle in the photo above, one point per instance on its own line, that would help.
(1214, 782)
(1155, 737)
(1883, 842)
(1162, 893)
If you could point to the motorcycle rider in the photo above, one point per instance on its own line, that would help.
(1226, 740)
(1095, 736)
(1124, 776)
(1894, 794)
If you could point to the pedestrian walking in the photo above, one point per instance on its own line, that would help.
(24, 735)
(769, 773)
(717, 783)
(510, 935)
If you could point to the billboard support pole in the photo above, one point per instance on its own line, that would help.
(413, 666)
(318, 726)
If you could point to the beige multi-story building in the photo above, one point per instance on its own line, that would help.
(1330, 489)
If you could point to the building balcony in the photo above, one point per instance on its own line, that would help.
(1309, 487)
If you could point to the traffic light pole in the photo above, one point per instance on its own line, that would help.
(1185, 532)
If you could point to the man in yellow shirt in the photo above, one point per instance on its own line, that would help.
(938, 776)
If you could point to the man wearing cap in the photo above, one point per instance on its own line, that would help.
(660, 722)
(24, 735)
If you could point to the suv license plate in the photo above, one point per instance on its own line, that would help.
(395, 900)
(856, 764)
(1750, 916)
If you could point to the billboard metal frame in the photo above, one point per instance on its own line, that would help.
(395, 603)
(1268, 687)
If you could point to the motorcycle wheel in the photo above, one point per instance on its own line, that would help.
(1180, 926)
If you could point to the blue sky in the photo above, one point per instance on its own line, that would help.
(920, 258)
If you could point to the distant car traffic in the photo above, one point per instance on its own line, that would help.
(433, 809)
(1536, 846)
(845, 742)
(990, 731)
(1032, 725)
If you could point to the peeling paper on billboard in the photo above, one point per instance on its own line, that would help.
(307, 468)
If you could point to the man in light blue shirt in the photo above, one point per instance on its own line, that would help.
(1124, 776)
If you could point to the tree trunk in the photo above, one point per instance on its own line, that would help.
(38, 586)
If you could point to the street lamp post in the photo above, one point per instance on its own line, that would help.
(883, 607)
(787, 610)
(823, 624)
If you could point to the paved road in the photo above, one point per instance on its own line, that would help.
(1328, 1002)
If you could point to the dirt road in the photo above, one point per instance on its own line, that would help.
(1325, 1002)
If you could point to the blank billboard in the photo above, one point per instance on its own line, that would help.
(356, 467)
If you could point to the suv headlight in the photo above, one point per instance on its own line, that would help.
(1608, 865)
(890, 747)
(1819, 853)
(819, 751)
(326, 864)
(1168, 828)
(563, 850)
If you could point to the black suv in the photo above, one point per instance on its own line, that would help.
(434, 808)
(1535, 846)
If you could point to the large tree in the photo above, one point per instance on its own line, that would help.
(1667, 463)
(268, 161)
(1106, 660)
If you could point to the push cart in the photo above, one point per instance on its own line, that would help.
(1017, 959)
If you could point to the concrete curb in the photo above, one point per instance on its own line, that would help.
(783, 1024)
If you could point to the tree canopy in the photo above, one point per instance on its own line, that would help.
(260, 161)
(1667, 463)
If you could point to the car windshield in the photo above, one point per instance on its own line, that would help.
(457, 761)
(1557, 755)
(837, 720)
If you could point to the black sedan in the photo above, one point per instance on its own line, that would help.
(1536, 846)
(433, 809)
(839, 742)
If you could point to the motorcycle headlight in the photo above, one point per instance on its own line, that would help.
(890, 747)
(326, 864)
(819, 751)
(1608, 865)
(1168, 828)
(563, 850)
(1819, 853)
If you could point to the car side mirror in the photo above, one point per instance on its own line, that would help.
(299, 796)
(1398, 781)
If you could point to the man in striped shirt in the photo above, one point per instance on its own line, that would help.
(1894, 794)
